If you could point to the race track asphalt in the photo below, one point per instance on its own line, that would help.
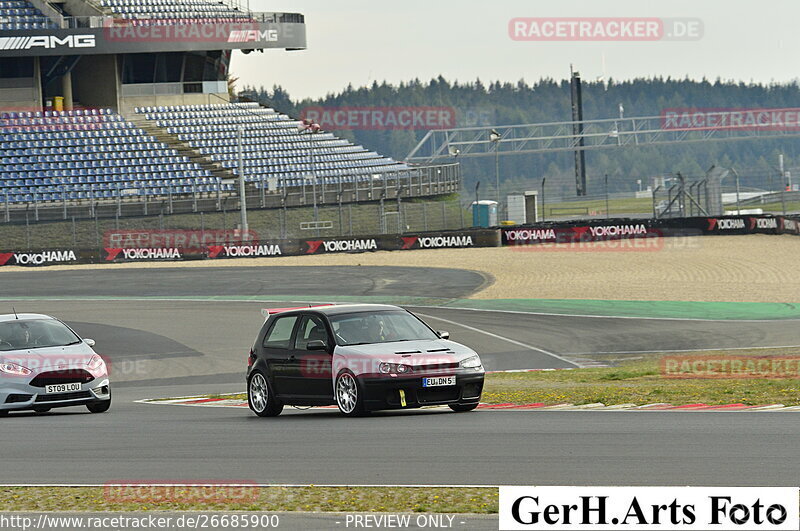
(165, 347)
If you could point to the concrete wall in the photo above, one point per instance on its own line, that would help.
(22, 93)
(128, 103)
(85, 81)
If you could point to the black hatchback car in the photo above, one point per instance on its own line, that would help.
(361, 357)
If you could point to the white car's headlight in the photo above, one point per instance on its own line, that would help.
(473, 362)
(96, 363)
(394, 368)
(14, 369)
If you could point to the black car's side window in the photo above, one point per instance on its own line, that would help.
(280, 335)
(311, 329)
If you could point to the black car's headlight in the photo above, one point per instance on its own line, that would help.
(473, 362)
(394, 368)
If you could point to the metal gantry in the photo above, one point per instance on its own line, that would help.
(597, 134)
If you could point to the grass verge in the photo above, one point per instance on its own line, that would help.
(467, 500)
(639, 380)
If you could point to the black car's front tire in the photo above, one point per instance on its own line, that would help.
(261, 398)
(349, 397)
(3, 412)
(462, 408)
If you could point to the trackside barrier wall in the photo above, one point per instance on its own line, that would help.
(255, 249)
(540, 233)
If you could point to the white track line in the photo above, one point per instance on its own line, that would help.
(497, 336)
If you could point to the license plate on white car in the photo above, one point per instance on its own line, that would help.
(62, 388)
(438, 381)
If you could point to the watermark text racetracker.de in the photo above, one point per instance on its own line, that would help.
(744, 367)
(381, 118)
(569, 29)
(745, 119)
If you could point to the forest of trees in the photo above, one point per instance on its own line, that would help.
(548, 100)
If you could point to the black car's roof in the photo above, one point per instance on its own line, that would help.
(338, 309)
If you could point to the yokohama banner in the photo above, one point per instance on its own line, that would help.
(614, 229)
(136, 246)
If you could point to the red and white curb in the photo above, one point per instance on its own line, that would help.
(228, 402)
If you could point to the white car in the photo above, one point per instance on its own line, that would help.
(44, 364)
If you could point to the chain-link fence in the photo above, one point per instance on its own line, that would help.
(378, 217)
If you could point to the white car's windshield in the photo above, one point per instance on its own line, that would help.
(23, 334)
(378, 327)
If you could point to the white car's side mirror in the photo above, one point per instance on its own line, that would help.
(443, 334)
(90, 342)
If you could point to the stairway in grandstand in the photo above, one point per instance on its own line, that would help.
(273, 147)
(182, 148)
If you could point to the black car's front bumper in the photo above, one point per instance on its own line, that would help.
(395, 392)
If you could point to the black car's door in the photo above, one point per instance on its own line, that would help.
(311, 369)
(277, 348)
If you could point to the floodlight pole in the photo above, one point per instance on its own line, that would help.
(242, 194)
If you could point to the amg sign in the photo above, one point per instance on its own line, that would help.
(269, 35)
(47, 42)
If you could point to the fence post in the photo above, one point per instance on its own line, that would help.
(169, 197)
(27, 230)
(194, 196)
(145, 200)
(119, 205)
(461, 213)
(350, 217)
(92, 211)
(263, 193)
(36, 208)
(74, 234)
(8, 208)
(425, 216)
(63, 198)
(444, 216)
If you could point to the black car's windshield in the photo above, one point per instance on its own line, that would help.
(22, 334)
(378, 327)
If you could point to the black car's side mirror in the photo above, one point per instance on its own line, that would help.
(443, 334)
(316, 344)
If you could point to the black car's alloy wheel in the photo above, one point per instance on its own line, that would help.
(261, 398)
(348, 395)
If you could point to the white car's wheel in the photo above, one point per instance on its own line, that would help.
(261, 398)
(348, 395)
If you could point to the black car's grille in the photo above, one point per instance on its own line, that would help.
(445, 394)
(59, 377)
(64, 396)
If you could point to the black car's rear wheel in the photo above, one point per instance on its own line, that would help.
(261, 398)
(348, 395)
(461, 408)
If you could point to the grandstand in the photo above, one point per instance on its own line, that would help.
(128, 100)
(22, 15)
